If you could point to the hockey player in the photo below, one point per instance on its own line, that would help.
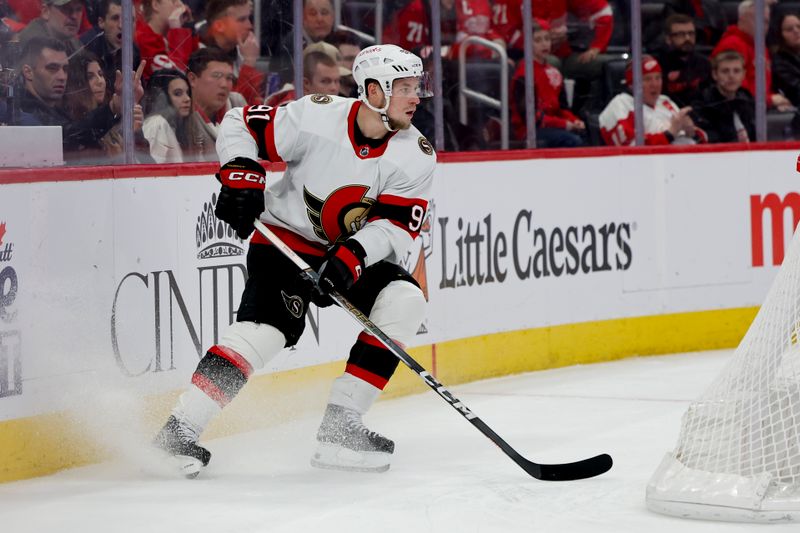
(352, 200)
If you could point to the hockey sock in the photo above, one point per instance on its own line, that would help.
(368, 370)
(219, 377)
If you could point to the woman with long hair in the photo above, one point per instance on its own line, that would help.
(86, 91)
(168, 108)
(786, 60)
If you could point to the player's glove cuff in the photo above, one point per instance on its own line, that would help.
(242, 173)
(344, 266)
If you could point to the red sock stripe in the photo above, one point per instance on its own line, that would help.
(211, 390)
(366, 338)
(373, 379)
(234, 358)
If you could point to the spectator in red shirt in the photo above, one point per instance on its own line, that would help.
(555, 126)
(229, 29)
(581, 59)
(163, 40)
(739, 38)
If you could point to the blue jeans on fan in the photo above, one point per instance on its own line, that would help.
(557, 138)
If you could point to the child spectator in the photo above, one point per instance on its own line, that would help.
(664, 122)
(686, 71)
(726, 111)
(740, 38)
(786, 63)
(163, 39)
(555, 126)
(211, 80)
(60, 20)
(168, 126)
(108, 47)
(229, 29)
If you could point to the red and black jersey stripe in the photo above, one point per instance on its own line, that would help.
(406, 213)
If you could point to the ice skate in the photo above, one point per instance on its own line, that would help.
(180, 441)
(345, 443)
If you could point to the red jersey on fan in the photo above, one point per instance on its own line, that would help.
(548, 84)
(410, 28)
(596, 14)
(160, 52)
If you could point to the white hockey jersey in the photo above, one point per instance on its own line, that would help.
(616, 120)
(333, 186)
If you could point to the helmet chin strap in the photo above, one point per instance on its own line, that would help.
(382, 113)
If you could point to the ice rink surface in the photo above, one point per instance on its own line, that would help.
(446, 476)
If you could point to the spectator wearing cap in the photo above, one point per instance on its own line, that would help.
(322, 74)
(725, 110)
(740, 38)
(228, 28)
(686, 72)
(45, 73)
(162, 35)
(556, 126)
(59, 20)
(108, 46)
(211, 81)
(664, 121)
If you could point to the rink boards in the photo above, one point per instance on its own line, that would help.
(113, 282)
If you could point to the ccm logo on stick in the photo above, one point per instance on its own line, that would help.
(247, 176)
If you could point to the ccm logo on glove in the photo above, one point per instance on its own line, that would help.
(246, 176)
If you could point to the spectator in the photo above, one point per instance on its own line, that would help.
(686, 71)
(162, 38)
(211, 80)
(108, 47)
(786, 62)
(322, 74)
(410, 26)
(739, 38)
(318, 18)
(349, 46)
(726, 111)
(228, 28)
(556, 127)
(664, 122)
(581, 55)
(168, 126)
(60, 20)
(44, 74)
(708, 17)
(85, 92)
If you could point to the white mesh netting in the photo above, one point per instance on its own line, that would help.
(738, 454)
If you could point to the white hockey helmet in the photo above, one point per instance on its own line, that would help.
(386, 63)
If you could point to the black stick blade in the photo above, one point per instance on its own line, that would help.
(591, 467)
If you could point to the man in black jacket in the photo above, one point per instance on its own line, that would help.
(726, 111)
(686, 73)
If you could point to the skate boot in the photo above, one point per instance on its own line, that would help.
(180, 441)
(345, 443)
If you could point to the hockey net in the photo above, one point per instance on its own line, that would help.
(738, 454)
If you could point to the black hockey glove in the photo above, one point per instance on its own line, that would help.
(241, 199)
(344, 265)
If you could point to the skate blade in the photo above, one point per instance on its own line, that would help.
(334, 457)
(188, 467)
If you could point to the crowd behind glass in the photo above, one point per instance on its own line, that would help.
(61, 64)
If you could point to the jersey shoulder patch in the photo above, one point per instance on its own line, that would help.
(425, 145)
(321, 99)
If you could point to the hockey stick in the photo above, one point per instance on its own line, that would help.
(586, 468)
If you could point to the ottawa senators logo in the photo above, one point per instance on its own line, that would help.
(342, 213)
(425, 146)
(321, 99)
